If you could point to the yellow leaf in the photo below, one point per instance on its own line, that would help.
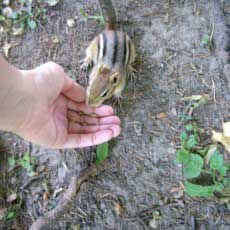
(224, 137)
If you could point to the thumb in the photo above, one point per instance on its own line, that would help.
(52, 80)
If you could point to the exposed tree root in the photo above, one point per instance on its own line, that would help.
(65, 203)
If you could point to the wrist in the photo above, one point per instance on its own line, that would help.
(12, 96)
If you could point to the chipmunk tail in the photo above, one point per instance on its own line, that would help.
(108, 13)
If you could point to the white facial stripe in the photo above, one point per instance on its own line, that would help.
(127, 51)
(101, 46)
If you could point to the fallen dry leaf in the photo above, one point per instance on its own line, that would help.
(161, 115)
(195, 97)
(12, 197)
(178, 191)
(118, 208)
(45, 196)
(6, 47)
(211, 150)
(224, 137)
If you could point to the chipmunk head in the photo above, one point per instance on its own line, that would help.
(102, 84)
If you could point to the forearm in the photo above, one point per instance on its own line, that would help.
(11, 95)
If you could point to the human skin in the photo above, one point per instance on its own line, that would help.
(45, 106)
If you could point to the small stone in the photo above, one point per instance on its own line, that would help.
(70, 22)
(7, 11)
(6, 2)
(173, 112)
(178, 194)
(153, 224)
(12, 197)
(55, 39)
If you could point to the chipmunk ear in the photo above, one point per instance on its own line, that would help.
(103, 69)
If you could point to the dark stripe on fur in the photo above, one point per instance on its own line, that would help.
(115, 48)
(105, 45)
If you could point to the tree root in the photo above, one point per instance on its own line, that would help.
(65, 203)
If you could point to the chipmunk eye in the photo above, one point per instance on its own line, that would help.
(114, 80)
(104, 94)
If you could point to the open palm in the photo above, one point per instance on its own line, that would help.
(57, 115)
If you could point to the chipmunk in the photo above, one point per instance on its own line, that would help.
(112, 54)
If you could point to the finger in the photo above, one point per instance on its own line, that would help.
(85, 119)
(73, 90)
(84, 140)
(77, 128)
(103, 110)
(69, 87)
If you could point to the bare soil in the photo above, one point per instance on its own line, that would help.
(171, 64)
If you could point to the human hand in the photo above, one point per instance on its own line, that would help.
(51, 111)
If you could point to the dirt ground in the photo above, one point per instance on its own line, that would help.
(171, 63)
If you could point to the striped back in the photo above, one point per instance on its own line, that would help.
(113, 49)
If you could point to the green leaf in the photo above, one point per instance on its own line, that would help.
(84, 14)
(33, 160)
(216, 161)
(11, 161)
(182, 156)
(223, 171)
(219, 186)
(24, 164)
(193, 167)
(2, 18)
(10, 215)
(98, 18)
(32, 24)
(26, 157)
(183, 136)
(102, 152)
(199, 190)
(189, 127)
(205, 40)
(191, 142)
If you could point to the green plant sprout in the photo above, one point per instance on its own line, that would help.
(98, 18)
(102, 152)
(25, 16)
(201, 162)
(25, 162)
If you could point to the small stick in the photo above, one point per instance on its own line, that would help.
(65, 203)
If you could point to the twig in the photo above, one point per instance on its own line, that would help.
(214, 91)
(193, 223)
(65, 203)
(212, 32)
